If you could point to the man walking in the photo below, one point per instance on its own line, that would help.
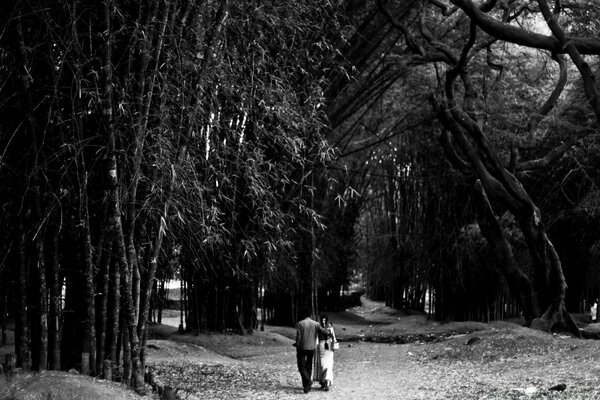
(306, 339)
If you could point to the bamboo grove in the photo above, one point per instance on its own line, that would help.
(146, 139)
(267, 154)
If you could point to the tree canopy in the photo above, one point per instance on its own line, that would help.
(442, 155)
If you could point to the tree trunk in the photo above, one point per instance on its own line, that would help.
(130, 339)
(55, 301)
(182, 300)
(115, 310)
(89, 336)
(89, 344)
(500, 184)
(160, 300)
(114, 229)
(145, 83)
(125, 348)
(40, 270)
(102, 314)
(21, 327)
(115, 225)
(556, 316)
(43, 307)
(149, 276)
(4, 311)
(517, 281)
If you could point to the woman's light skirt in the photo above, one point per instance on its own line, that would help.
(323, 369)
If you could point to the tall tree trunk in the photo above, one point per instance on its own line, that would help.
(160, 300)
(124, 335)
(89, 343)
(182, 300)
(115, 309)
(149, 277)
(518, 282)
(23, 349)
(123, 306)
(55, 301)
(145, 90)
(502, 185)
(143, 298)
(21, 326)
(4, 311)
(42, 292)
(89, 337)
(102, 314)
(396, 283)
(128, 326)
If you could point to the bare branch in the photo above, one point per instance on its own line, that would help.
(551, 101)
(412, 45)
(552, 156)
(524, 37)
(462, 62)
(589, 81)
(446, 11)
(443, 48)
(451, 153)
(490, 62)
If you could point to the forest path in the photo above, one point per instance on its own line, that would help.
(384, 354)
(501, 361)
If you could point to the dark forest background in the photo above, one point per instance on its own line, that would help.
(441, 156)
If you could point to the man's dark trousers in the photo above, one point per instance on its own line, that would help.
(305, 364)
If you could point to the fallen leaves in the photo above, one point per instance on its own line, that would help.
(216, 380)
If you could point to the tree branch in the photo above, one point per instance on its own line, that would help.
(552, 156)
(523, 37)
(446, 11)
(551, 101)
(412, 45)
(570, 46)
(451, 153)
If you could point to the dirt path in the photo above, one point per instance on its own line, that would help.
(501, 361)
(384, 355)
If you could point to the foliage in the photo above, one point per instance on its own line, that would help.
(502, 87)
(155, 139)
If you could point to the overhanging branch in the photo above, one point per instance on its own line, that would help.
(451, 153)
(551, 101)
(570, 47)
(514, 34)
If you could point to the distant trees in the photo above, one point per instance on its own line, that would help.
(462, 58)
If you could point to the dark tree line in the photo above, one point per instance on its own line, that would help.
(500, 99)
(145, 139)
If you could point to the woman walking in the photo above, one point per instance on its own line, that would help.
(324, 361)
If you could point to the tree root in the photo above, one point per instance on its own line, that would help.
(556, 319)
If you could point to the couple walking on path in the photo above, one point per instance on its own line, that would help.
(311, 337)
